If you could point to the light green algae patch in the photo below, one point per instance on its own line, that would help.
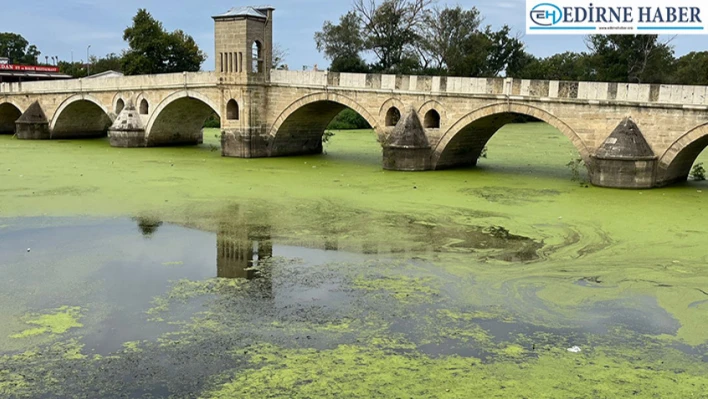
(56, 323)
(173, 264)
(365, 372)
(403, 288)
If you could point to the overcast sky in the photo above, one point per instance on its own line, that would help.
(59, 27)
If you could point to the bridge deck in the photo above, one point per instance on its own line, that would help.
(694, 97)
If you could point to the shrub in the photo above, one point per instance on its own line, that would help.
(575, 165)
(213, 121)
(699, 172)
(348, 119)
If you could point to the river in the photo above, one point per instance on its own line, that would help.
(174, 271)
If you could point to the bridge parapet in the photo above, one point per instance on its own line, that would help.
(123, 83)
(552, 89)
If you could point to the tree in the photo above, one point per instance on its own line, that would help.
(342, 44)
(17, 49)
(442, 33)
(630, 58)
(111, 62)
(279, 54)
(153, 50)
(564, 66)
(692, 69)
(391, 30)
(503, 50)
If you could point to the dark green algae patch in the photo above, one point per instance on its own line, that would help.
(458, 284)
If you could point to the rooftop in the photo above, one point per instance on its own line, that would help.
(247, 11)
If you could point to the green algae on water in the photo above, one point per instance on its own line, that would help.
(55, 323)
(366, 372)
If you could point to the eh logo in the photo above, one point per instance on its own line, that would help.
(546, 14)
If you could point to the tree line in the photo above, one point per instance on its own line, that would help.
(405, 37)
(151, 50)
(415, 37)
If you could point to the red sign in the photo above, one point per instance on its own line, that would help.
(28, 68)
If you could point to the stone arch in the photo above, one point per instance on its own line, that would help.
(299, 128)
(123, 97)
(431, 120)
(80, 116)
(233, 113)
(676, 162)
(464, 141)
(438, 107)
(9, 113)
(393, 115)
(386, 106)
(120, 104)
(179, 119)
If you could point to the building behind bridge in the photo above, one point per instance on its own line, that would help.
(28, 73)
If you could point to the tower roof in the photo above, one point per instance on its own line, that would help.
(247, 11)
(626, 141)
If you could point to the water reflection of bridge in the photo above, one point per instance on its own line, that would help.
(241, 247)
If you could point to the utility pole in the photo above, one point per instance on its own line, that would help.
(88, 61)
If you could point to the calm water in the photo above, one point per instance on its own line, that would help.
(324, 277)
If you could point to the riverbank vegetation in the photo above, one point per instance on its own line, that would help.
(417, 37)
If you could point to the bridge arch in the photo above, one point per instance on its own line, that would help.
(676, 162)
(179, 119)
(465, 140)
(80, 116)
(9, 113)
(300, 127)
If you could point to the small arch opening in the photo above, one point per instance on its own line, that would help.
(393, 116)
(432, 120)
(257, 57)
(232, 110)
(144, 107)
(120, 104)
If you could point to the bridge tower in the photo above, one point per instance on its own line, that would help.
(243, 38)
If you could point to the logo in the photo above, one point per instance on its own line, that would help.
(604, 17)
(546, 14)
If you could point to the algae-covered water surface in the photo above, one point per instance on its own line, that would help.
(173, 272)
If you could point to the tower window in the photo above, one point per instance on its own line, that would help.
(257, 57)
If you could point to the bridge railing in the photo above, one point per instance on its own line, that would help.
(122, 83)
(553, 89)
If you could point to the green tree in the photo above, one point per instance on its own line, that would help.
(630, 58)
(391, 31)
(17, 49)
(503, 50)
(342, 44)
(153, 50)
(563, 66)
(488, 53)
(111, 62)
(692, 69)
(442, 33)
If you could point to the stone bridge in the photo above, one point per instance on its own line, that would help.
(629, 135)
